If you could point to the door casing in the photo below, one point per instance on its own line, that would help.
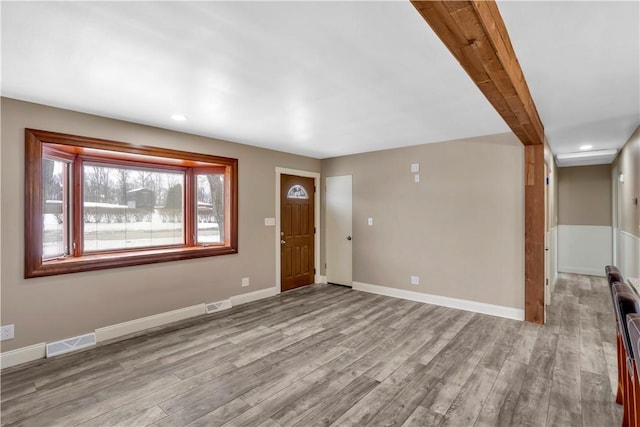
(547, 243)
(615, 180)
(297, 232)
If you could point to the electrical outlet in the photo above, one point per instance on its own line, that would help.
(245, 282)
(416, 178)
(369, 221)
(415, 280)
(6, 332)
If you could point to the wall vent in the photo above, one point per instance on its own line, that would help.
(218, 306)
(70, 344)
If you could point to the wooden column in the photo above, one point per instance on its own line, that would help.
(534, 233)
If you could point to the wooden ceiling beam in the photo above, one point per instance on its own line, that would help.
(475, 34)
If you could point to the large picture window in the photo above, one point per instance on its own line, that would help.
(93, 204)
(128, 207)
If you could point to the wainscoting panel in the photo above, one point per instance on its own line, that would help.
(629, 256)
(584, 249)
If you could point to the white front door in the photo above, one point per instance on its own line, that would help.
(339, 230)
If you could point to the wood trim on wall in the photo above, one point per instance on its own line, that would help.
(534, 234)
(476, 35)
(35, 266)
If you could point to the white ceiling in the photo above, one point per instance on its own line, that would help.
(319, 79)
(582, 64)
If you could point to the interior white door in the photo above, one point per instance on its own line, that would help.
(339, 212)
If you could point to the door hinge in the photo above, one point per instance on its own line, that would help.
(314, 271)
(314, 230)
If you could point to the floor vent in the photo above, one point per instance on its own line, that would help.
(70, 344)
(218, 306)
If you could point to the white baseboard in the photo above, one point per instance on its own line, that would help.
(321, 279)
(254, 296)
(38, 351)
(22, 355)
(137, 325)
(476, 307)
(582, 270)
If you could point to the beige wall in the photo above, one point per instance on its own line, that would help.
(584, 195)
(47, 309)
(628, 163)
(461, 229)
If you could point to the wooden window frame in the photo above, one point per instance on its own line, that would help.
(81, 149)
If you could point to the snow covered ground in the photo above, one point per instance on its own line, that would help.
(105, 236)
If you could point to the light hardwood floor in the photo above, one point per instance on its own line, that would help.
(327, 355)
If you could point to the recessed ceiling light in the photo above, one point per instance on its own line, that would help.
(179, 117)
(586, 147)
(596, 153)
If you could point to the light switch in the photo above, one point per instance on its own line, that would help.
(416, 178)
(369, 221)
(415, 167)
(269, 222)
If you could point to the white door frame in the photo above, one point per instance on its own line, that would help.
(614, 215)
(316, 219)
(547, 253)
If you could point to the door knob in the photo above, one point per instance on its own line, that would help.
(348, 237)
(282, 242)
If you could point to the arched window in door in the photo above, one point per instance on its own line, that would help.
(297, 192)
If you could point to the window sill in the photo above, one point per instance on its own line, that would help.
(122, 259)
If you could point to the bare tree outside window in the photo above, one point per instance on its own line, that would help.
(54, 230)
(118, 214)
(122, 182)
(210, 194)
